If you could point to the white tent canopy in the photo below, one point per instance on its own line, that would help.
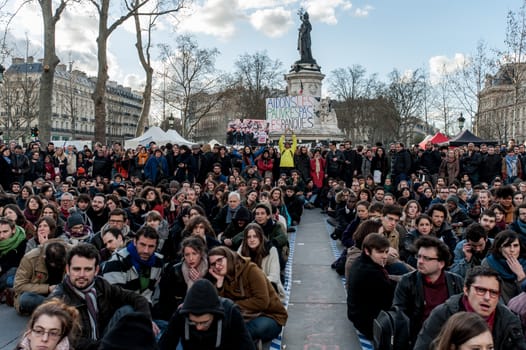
(160, 137)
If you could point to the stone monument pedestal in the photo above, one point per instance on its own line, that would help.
(305, 79)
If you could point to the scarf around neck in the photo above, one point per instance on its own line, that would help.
(202, 268)
(501, 266)
(12, 242)
(89, 295)
(136, 259)
(490, 320)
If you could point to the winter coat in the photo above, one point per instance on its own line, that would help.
(251, 290)
(32, 274)
(365, 300)
(317, 176)
(507, 331)
(409, 296)
(109, 299)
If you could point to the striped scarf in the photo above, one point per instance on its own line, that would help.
(89, 295)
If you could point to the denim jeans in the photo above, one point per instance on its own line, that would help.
(29, 301)
(264, 328)
(7, 279)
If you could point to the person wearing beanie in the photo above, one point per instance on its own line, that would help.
(206, 321)
(132, 331)
(459, 219)
(77, 230)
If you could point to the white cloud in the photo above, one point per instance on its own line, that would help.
(214, 17)
(325, 11)
(363, 11)
(259, 4)
(442, 65)
(272, 22)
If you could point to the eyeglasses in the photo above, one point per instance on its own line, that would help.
(425, 258)
(203, 324)
(53, 333)
(219, 261)
(115, 221)
(482, 292)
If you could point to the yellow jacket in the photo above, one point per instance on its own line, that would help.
(287, 155)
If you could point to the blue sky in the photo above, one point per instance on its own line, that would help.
(379, 35)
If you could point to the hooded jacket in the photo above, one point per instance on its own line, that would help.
(227, 330)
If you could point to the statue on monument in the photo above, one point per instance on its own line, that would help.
(304, 41)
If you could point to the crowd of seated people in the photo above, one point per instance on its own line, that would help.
(116, 232)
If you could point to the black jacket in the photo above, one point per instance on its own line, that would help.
(402, 162)
(109, 299)
(409, 297)
(232, 332)
(370, 291)
(507, 331)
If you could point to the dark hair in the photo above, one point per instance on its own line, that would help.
(264, 206)
(147, 232)
(375, 241)
(480, 271)
(505, 239)
(119, 212)
(520, 206)
(55, 251)
(458, 329)
(199, 209)
(20, 218)
(363, 203)
(475, 232)
(376, 207)
(504, 191)
(423, 217)
(50, 222)
(489, 213)
(199, 220)
(438, 207)
(115, 232)
(261, 251)
(196, 243)
(392, 210)
(84, 250)
(229, 254)
(442, 249)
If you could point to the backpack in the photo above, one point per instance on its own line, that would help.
(391, 330)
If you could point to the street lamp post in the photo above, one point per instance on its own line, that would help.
(461, 120)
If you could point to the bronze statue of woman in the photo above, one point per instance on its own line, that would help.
(304, 42)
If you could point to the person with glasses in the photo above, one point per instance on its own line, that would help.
(508, 258)
(206, 321)
(420, 291)
(52, 326)
(247, 285)
(482, 289)
(118, 219)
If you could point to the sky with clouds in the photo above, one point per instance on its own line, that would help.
(379, 35)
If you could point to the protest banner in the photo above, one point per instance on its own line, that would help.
(247, 131)
(291, 112)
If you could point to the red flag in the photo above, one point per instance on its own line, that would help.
(301, 87)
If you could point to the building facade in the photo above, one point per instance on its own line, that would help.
(73, 115)
(502, 105)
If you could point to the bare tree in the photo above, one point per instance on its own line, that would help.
(20, 100)
(354, 91)
(143, 46)
(468, 80)
(441, 99)
(259, 77)
(407, 93)
(194, 85)
(127, 9)
(51, 60)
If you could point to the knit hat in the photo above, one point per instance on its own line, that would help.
(201, 299)
(132, 332)
(453, 199)
(75, 219)
(242, 214)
